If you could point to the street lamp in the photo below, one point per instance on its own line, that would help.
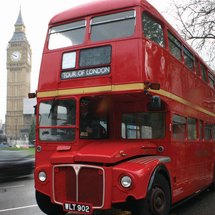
(16, 131)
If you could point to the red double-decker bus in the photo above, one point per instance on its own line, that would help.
(125, 113)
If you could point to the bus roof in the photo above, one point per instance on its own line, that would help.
(99, 6)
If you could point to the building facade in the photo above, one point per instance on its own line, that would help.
(18, 79)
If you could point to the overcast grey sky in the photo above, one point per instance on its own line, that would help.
(36, 16)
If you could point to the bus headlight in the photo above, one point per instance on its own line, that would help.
(42, 176)
(126, 181)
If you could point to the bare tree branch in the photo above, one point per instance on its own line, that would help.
(196, 23)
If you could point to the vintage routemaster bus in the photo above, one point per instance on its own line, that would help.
(125, 113)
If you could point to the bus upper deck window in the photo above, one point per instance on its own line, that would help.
(67, 35)
(197, 66)
(188, 58)
(211, 80)
(152, 30)
(112, 26)
(203, 72)
(175, 45)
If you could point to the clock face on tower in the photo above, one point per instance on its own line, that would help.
(16, 56)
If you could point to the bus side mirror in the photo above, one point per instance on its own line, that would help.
(156, 102)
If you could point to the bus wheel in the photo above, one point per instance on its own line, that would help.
(212, 187)
(47, 206)
(158, 201)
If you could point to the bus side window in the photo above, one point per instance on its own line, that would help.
(175, 45)
(208, 129)
(179, 127)
(197, 66)
(152, 30)
(203, 72)
(188, 58)
(211, 80)
(192, 129)
(143, 126)
(200, 130)
(213, 132)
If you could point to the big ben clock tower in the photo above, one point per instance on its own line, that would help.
(18, 78)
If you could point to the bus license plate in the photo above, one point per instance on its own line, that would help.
(82, 208)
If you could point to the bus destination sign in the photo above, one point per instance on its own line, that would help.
(85, 73)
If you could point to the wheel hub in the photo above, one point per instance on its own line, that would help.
(157, 201)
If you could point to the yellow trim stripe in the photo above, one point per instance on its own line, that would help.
(123, 87)
(84, 90)
(183, 101)
(171, 96)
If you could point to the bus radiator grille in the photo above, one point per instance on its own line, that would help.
(85, 185)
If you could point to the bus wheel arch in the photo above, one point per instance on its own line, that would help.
(158, 199)
(162, 170)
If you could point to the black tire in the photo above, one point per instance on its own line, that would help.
(212, 187)
(158, 201)
(45, 205)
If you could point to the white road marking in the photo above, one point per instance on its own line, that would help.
(12, 187)
(19, 208)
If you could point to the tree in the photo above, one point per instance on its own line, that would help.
(32, 132)
(196, 23)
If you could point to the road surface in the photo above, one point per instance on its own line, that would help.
(17, 198)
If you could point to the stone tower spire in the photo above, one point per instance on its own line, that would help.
(19, 33)
(19, 21)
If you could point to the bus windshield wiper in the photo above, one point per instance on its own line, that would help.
(52, 106)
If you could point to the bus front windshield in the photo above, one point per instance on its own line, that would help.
(57, 120)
